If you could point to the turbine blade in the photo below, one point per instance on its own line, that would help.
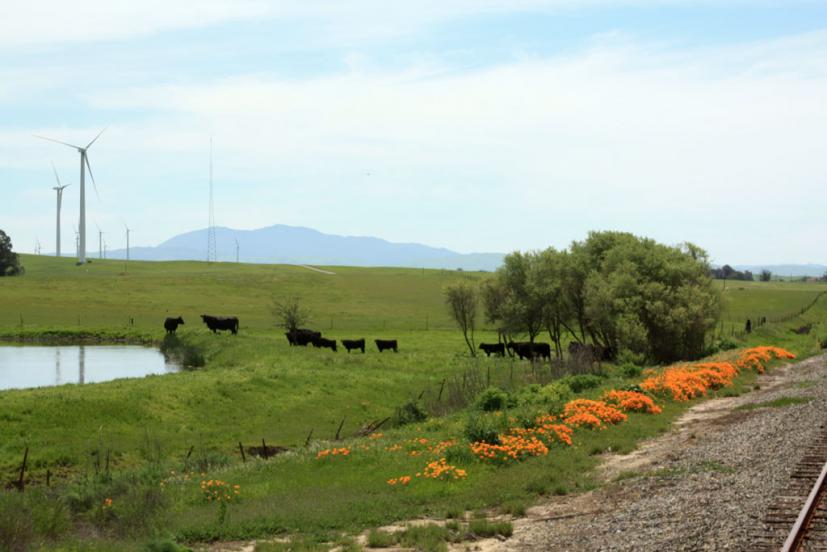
(96, 137)
(57, 141)
(56, 176)
(95, 186)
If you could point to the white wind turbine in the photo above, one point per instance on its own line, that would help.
(59, 189)
(84, 164)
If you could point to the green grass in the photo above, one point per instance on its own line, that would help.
(254, 386)
(753, 300)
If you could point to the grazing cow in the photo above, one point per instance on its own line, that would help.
(496, 348)
(383, 344)
(171, 324)
(322, 342)
(216, 323)
(354, 344)
(302, 336)
(531, 351)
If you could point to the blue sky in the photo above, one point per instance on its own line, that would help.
(484, 125)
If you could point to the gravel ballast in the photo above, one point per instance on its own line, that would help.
(706, 485)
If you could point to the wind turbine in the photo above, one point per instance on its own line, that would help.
(84, 164)
(59, 190)
(236, 249)
(100, 241)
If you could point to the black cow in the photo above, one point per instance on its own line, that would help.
(171, 324)
(496, 348)
(531, 351)
(302, 336)
(354, 344)
(383, 344)
(216, 323)
(322, 342)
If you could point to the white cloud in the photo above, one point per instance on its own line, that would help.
(716, 146)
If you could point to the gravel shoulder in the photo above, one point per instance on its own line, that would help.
(705, 485)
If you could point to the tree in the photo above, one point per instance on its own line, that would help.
(9, 261)
(545, 281)
(765, 275)
(461, 299)
(520, 310)
(289, 313)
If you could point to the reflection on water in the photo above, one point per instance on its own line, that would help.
(25, 366)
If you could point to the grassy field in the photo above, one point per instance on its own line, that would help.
(161, 433)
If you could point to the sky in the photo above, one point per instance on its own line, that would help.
(476, 125)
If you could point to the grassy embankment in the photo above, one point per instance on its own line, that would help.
(255, 386)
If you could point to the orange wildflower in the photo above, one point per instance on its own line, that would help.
(631, 401)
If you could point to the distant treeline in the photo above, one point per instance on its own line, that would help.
(726, 272)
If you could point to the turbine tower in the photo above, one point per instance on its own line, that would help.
(59, 189)
(100, 241)
(128, 230)
(84, 164)
(236, 250)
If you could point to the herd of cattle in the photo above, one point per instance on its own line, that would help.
(298, 337)
(301, 337)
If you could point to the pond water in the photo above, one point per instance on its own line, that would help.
(35, 366)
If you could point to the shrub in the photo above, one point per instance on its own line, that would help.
(726, 344)
(410, 413)
(823, 343)
(491, 399)
(631, 370)
(483, 429)
(581, 382)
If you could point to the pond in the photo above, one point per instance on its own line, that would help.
(24, 366)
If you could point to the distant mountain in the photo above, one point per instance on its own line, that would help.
(297, 245)
(786, 269)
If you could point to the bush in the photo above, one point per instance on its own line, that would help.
(631, 370)
(558, 391)
(581, 382)
(410, 413)
(726, 344)
(491, 399)
(484, 429)
(823, 343)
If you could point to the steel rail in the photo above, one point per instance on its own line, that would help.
(799, 530)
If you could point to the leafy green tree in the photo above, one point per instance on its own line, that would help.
(9, 261)
(520, 309)
(765, 275)
(546, 285)
(462, 299)
(649, 298)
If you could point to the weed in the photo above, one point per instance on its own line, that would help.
(486, 529)
(381, 539)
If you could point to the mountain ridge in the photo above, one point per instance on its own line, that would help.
(283, 244)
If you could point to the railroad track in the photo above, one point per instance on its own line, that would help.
(797, 518)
